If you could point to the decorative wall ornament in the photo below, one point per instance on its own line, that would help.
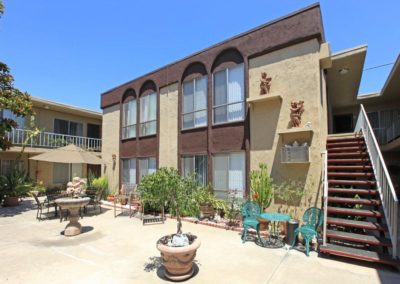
(265, 83)
(296, 111)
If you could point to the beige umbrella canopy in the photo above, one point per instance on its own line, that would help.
(70, 154)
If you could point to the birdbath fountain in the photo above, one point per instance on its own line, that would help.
(73, 228)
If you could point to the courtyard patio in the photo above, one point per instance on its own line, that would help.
(122, 250)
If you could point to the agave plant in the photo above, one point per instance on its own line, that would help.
(15, 183)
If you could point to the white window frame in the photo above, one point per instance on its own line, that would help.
(125, 127)
(141, 175)
(229, 154)
(143, 124)
(194, 81)
(193, 158)
(131, 161)
(227, 94)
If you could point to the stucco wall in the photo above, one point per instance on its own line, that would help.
(168, 151)
(110, 145)
(44, 119)
(296, 75)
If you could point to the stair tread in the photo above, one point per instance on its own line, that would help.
(333, 144)
(354, 200)
(349, 174)
(347, 167)
(356, 224)
(348, 149)
(357, 212)
(353, 191)
(358, 160)
(360, 153)
(368, 239)
(358, 254)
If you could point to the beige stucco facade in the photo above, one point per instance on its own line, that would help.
(110, 140)
(45, 114)
(296, 75)
(168, 153)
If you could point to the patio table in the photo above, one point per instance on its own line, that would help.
(273, 240)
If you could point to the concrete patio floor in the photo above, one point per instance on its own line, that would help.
(122, 250)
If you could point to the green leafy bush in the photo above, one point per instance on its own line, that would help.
(166, 188)
(262, 187)
(15, 184)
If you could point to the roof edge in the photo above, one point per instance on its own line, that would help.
(312, 6)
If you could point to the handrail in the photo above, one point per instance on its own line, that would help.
(325, 197)
(385, 187)
(51, 140)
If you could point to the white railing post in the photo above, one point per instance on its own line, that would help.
(325, 196)
(385, 187)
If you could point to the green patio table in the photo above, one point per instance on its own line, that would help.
(274, 218)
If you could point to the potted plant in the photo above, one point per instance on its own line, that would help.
(262, 190)
(291, 193)
(232, 211)
(13, 186)
(101, 184)
(167, 188)
(205, 199)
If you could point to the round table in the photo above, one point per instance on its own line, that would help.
(274, 218)
(73, 205)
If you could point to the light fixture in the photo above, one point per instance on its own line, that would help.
(344, 71)
(114, 157)
(46, 107)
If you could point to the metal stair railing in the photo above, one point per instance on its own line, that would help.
(390, 203)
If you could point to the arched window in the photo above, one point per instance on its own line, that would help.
(148, 109)
(228, 88)
(129, 115)
(194, 96)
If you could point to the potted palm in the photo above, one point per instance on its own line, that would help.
(166, 188)
(262, 190)
(13, 186)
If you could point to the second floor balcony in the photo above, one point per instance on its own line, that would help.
(21, 137)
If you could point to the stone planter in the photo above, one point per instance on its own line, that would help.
(110, 198)
(10, 201)
(264, 224)
(178, 261)
(282, 228)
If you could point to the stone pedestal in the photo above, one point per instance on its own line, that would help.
(73, 205)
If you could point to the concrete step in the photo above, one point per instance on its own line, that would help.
(360, 254)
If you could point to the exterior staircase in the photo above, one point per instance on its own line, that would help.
(355, 225)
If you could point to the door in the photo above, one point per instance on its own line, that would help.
(343, 123)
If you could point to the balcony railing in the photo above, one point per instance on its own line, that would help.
(20, 137)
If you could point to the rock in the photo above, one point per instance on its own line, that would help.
(180, 240)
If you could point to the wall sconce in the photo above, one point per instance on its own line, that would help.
(114, 157)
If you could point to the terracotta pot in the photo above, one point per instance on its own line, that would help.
(207, 211)
(178, 261)
(264, 224)
(110, 198)
(11, 201)
(282, 228)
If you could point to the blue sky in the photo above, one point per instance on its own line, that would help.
(72, 51)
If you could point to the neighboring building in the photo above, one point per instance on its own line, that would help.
(206, 114)
(59, 125)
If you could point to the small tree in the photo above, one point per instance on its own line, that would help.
(167, 188)
(262, 187)
(12, 99)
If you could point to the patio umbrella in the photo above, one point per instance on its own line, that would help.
(70, 154)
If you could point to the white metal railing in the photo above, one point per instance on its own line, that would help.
(325, 196)
(390, 203)
(19, 137)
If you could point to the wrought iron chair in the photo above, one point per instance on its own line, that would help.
(40, 206)
(312, 219)
(250, 210)
(126, 194)
(95, 196)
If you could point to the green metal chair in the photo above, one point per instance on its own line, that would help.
(312, 219)
(250, 210)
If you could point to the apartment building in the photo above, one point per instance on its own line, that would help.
(274, 95)
(59, 125)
